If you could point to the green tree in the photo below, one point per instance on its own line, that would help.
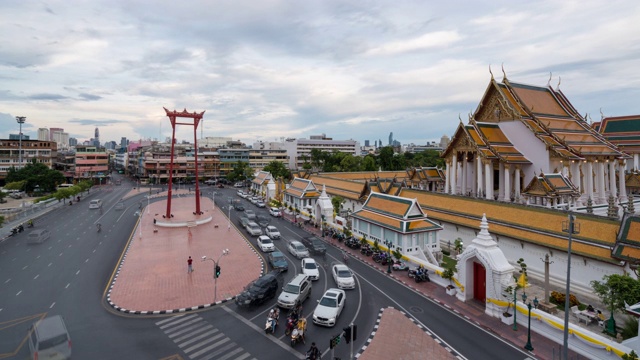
(317, 159)
(616, 289)
(241, 171)
(336, 201)
(369, 163)
(277, 170)
(385, 158)
(35, 174)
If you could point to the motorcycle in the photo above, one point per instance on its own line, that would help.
(297, 336)
(422, 276)
(291, 324)
(30, 223)
(98, 227)
(366, 250)
(272, 322)
(412, 272)
(400, 266)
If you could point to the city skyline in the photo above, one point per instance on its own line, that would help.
(262, 71)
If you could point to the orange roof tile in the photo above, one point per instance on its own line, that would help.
(538, 100)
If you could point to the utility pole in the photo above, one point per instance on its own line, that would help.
(546, 277)
(570, 227)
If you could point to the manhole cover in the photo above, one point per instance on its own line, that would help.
(416, 309)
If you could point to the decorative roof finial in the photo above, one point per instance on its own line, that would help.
(459, 118)
(549, 82)
(601, 114)
(504, 75)
(490, 72)
(559, 81)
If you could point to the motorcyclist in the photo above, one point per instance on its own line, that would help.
(30, 223)
(274, 314)
(98, 227)
(20, 228)
(314, 352)
(302, 326)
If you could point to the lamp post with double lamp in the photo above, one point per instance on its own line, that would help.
(213, 199)
(216, 272)
(535, 301)
(388, 243)
(20, 120)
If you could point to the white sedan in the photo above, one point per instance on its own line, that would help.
(343, 276)
(265, 244)
(310, 268)
(329, 307)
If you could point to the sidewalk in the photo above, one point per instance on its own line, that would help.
(152, 277)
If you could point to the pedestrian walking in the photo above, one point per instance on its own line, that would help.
(190, 265)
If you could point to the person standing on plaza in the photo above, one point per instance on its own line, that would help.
(190, 265)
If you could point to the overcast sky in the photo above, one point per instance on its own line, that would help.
(265, 69)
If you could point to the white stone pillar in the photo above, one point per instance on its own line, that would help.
(465, 167)
(612, 179)
(479, 176)
(621, 179)
(501, 181)
(602, 197)
(636, 162)
(447, 178)
(575, 175)
(565, 169)
(517, 183)
(507, 182)
(454, 175)
(588, 180)
(488, 186)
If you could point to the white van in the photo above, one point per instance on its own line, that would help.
(49, 339)
(95, 204)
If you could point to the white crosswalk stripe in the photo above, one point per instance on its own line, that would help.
(200, 340)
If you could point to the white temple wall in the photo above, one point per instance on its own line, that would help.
(583, 270)
(533, 149)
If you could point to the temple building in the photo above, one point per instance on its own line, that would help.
(521, 134)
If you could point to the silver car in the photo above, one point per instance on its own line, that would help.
(297, 249)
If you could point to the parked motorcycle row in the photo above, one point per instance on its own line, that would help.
(20, 228)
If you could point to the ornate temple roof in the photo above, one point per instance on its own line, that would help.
(627, 245)
(623, 131)
(302, 188)
(348, 189)
(551, 186)
(263, 177)
(397, 213)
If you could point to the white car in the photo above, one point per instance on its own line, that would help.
(260, 204)
(275, 212)
(297, 249)
(329, 307)
(272, 232)
(343, 276)
(265, 244)
(310, 268)
(240, 193)
(254, 200)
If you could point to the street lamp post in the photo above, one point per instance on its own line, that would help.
(216, 270)
(515, 306)
(20, 120)
(568, 226)
(213, 198)
(528, 346)
(387, 243)
(229, 217)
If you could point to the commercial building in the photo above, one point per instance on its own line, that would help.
(43, 152)
(299, 150)
(91, 164)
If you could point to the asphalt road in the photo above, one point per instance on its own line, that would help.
(67, 275)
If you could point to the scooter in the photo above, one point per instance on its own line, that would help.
(422, 276)
(291, 323)
(270, 325)
(400, 266)
(297, 336)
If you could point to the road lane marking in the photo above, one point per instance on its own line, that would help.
(38, 257)
(77, 272)
(9, 279)
(26, 266)
(69, 245)
(19, 292)
(50, 307)
(94, 250)
(67, 285)
(36, 277)
(87, 260)
(49, 247)
(49, 264)
(60, 254)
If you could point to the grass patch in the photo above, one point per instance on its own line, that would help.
(448, 262)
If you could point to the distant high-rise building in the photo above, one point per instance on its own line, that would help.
(53, 130)
(366, 143)
(96, 141)
(73, 141)
(391, 138)
(111, 145)
(380, 142)
(43, 134)
(123, 142)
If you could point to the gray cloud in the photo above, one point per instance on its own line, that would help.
(90, 97)
(101, 122)
(47, 97)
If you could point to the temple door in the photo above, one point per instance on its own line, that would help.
(479, 282)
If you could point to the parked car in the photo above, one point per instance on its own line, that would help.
(343, 276)
(275, 212)
(221, 186)
(260, 204)
(296, 291)
(244, 221)
(297, 249)
(261, 290)
(278, 261)
(211, 182)
(329, 307)
(315, 245)
(238, 185)
(262, 220)
(254, 200)
(239, 193)
(238, 207)
(253, 229)
(309, 267)
(250, 214)
(272, 232)
(265, 244)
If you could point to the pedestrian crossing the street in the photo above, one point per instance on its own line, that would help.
(200, 340)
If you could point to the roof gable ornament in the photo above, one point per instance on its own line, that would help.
(484, 239)
(601, 115)
(549, 81)
(504, 74)
(491, 72)
(559, 81)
